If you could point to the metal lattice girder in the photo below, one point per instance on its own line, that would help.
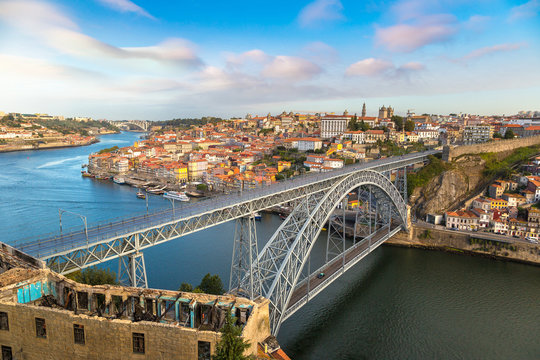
(72, 251)
(335, 239)
(132, 271)
(292, 250)
(244, 279)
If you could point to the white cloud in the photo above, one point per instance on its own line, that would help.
(320, 53)
(526, 10)
(477, 22)
(409, 37)
(291, 68)
(320, 11)
(372, 67)
(126, 6)
(255, 56)
(54, 29)
(369, 67)
(491, 50)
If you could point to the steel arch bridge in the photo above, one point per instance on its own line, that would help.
(277, 271)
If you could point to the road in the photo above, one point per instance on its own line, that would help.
(334, 266)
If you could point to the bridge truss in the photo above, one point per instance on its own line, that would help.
(275, 272)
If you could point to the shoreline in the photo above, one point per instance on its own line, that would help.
(54, 146)
(457, 251)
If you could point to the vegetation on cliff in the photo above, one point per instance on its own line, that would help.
(419, 179)
(503, 168)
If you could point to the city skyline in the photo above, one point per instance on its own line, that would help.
(121, 59)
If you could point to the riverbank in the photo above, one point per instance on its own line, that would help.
(450, 241)
(45, 146)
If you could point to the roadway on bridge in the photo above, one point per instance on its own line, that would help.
(334, 266)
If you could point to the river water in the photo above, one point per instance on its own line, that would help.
(395, 304)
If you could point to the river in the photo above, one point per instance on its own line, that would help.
(395, 304)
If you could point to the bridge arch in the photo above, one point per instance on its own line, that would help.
(281, 261)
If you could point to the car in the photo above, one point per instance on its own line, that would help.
(320, 275)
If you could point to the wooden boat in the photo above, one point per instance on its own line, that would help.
(141, 195)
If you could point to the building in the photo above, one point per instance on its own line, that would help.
(357, 136)
(309, 144)
(45, 315)
(334, 125)
(197, 169)
(462, 220)
(475, 134)
(386, 112)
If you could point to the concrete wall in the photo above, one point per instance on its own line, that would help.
(451, 152)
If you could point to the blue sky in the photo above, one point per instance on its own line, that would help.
(143, 59)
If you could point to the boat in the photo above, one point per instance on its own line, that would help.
(257, 216)
(84, 165)
(195, 194)
(102, 177)
(175, 195)
(119, 180)
(141, 195)
(86, 174)
(282, 217)
(157, 190)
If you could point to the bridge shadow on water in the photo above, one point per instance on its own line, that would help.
(327, 309)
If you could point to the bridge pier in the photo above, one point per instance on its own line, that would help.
(245, 266)
(132, 271)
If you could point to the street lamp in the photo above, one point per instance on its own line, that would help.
(83, 218)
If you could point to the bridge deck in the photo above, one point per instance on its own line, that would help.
(309, 288)
(52, 244)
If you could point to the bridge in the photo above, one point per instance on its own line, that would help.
(281, 271)
(141, 124)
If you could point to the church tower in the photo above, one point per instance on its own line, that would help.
(364, 110)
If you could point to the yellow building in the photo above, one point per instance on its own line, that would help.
(181, 174)
(283, 165)
(498, 203)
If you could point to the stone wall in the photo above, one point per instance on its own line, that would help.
(451, 152)
(104, 339)
(457, 241)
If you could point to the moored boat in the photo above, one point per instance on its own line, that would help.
(257, 216)
(175, 195)
(102, 177)
(86, 174)
(141, 195)
(157, 190)
(119, 180)
(195, 194)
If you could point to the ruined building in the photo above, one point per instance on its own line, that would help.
(44, 315)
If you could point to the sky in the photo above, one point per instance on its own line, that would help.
(158, 60)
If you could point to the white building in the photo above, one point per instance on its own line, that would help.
(334, 125)
(359, 137)
(474, 134)
(305, 144)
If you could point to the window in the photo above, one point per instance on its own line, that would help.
(4, 321)
(203, 350)
(41, 329)
(6, 353)
(78, 334)
(138, 343)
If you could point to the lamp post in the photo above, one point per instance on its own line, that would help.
(83, 218)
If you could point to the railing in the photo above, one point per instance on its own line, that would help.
(103, 231)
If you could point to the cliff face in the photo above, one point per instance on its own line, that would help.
(451, 187)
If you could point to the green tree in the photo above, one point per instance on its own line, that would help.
(186, 287)
(202, 187)
(231, 346)
(509, 134)
(212, 284)
(409, 125)
(94, 276)
(497, 136)
(398, 122)
(353, 124)
(363, 126)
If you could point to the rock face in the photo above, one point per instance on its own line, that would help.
(450, 188)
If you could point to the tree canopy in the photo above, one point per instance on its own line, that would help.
(94, 276)
(210, 284)
(398, 121)
(509, 134)
(231, 346)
